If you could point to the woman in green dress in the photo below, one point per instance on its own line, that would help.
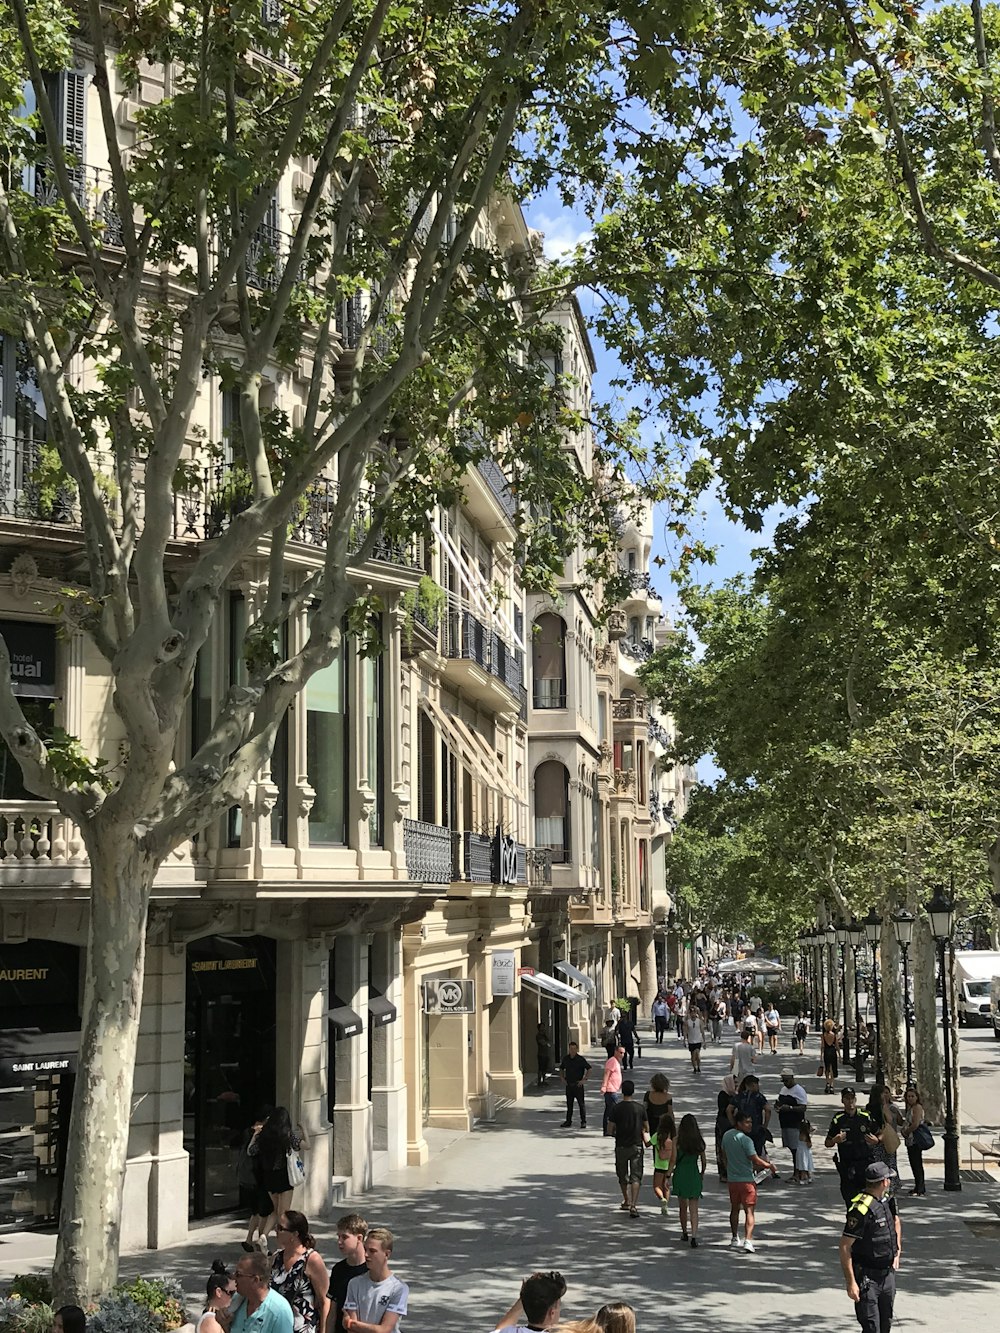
(689, 1175)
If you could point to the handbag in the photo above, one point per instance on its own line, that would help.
(821, 1071)
(296, 1169)
(923, 1139)
(890, 1139)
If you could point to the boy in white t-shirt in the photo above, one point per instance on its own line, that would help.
(376, 1300)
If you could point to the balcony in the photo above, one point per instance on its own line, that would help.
(21, 493)
(428, 851)
(493, 475)
(548, 694)
(629, 709)
(539, 862)
(641, 582)
(476, 859)
(492, 660)
(488, 497)
(639, 650)
(657, 733)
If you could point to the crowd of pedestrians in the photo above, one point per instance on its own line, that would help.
(865, 1140)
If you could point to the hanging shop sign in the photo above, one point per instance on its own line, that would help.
(503, 972)
(450, 995)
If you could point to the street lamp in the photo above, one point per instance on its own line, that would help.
(830, 938)
(941, 911)
(856, 935)
(819, 939)
(842, 937)
(814, 968)
(873, 933)
(902, 928)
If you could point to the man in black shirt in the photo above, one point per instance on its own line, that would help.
(852, 1133)
(870, 1248)
(630, 1127)
(351, 1232)
(573, 1071)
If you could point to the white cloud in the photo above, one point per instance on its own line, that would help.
(563, 232)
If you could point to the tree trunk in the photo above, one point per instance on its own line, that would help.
(647, 971)
(891, 998)
(926, 1052)
(86, 1262)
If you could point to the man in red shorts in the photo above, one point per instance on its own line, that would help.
(741, 1163)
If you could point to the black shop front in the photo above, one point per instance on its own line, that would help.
(229, 1060)
(39, 1040)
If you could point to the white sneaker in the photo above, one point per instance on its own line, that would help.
(749, 1247)
(736, 1243)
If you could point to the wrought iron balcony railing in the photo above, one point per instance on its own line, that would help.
(467, 638)
(428, 851)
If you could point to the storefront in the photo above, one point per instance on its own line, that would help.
(229, 1059)
(39, 1004)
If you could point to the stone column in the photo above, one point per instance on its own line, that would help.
(352, 1127)
(478, 1052)
(504, 1035)
(417, 1151)
(154, 1204)
(389, 1092)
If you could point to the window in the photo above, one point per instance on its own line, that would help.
(426, 775)
(552, 809)
(238, 621)
(375, 742)
(548, 661)
(327, 751)
(67, 92)
(602, 717)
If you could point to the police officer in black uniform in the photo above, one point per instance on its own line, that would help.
(852, 1133)
(870, 1248)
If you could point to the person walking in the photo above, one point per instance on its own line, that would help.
(694, 1028)
(870, 1249)
(886, 1126)
(657, 1100)
(627, 1119)
(627, 1037)
(573, 1071)
(804, 1154)
(772, 1024)
(828, 1054)
(376, 1301)
(664, 1156)
(351, 1231)
(744, 1057)
(726, 1099)
(689, 1176)
(680, 1010)
(270, 1145)
(799, 1034)
(791, 1103)
(851, 1132)
(219, 1293)
(917, 1138)
(660, 1013)
(543, 1049)
(299, 1274)
(742, 1162)
(253, 1195)
(611, 1083)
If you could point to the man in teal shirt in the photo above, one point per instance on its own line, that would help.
(256, 1308)
(741, 1163)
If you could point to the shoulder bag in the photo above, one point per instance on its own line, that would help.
(296, 1169)
(922, 1137)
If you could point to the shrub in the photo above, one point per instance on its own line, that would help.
(141, 1305)
(22, 1316)
(33, 1287)
(162, 1297)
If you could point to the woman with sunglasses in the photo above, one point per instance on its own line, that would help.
(299, 1274)
(220, 1291)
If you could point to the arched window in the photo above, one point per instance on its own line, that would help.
(548, 662)
(552, 809)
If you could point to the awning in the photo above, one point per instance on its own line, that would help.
(473, 750)
(541, 981)
(380, 1011)
(344, 1022)
(579, 977)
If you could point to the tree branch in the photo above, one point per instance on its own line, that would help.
(989, 127)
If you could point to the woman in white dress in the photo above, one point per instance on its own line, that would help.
(219, 1293)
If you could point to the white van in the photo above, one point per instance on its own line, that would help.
(973, 970)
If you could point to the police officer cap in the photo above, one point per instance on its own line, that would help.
(877, 1171)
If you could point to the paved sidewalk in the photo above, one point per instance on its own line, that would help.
(523, 1193)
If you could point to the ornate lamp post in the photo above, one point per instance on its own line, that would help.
(817, 978)
(902, 928)
(873, 933)
(819, 936)
(842, 936)
(803, 941)
(941, 911)
(856, 935)
(830, 937)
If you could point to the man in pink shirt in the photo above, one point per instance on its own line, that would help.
(611, 1083)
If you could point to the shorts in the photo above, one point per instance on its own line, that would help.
(694, 1045)
(790, 1137)
(628, 1165)
(742, 1193)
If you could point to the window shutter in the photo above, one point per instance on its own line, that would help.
(73, 118)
